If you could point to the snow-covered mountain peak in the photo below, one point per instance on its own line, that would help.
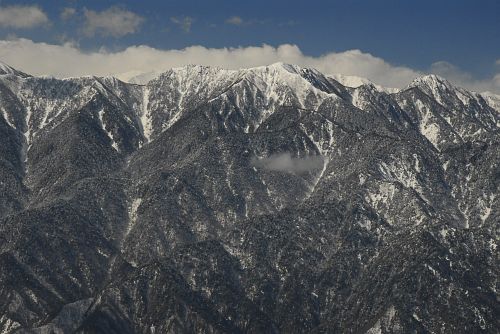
(254, 93)
(196, 76)
(281, 66)
(281, 76)
(277, 72)
(265, 78)
(8, 70)
(443, 91)
(286, 68)
(432, 81)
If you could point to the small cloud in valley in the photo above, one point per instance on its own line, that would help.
(285, 162)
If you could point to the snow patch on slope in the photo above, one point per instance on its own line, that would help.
(428, 128)
(108, 133)
(132, 216)
(8, 325)
(6, 117)
(145, 117)
(485, 206)
(384, 194)
(398, 171)
(386, 323)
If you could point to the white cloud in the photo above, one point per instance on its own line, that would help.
(284, 162)
(184, 23)
(22, 17)
(67, 13)
(238, 21)
(114, 21)
(456, 75)
(68, 60)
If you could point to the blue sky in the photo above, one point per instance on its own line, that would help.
(464, 34)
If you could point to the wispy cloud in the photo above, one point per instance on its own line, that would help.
(184, 23)
(67, 13)
(285, 162)
(114, 21)
(289, 23)
(239, 21)
(68, 60)
(22, 17)
(235, 20)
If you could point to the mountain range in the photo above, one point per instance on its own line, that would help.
(273, 199)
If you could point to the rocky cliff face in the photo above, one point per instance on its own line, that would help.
(263, 200)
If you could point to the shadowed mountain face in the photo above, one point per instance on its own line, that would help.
(264, 200)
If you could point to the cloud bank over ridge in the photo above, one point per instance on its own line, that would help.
(68, 60)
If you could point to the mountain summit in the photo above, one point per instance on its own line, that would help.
(273, 199)
(7, 70)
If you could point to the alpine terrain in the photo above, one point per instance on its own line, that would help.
(265, 200)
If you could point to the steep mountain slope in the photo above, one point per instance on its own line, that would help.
(272, 199)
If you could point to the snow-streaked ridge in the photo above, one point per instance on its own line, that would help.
(108, 133)
(144, 117)
(279, 84)
(166, 98)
